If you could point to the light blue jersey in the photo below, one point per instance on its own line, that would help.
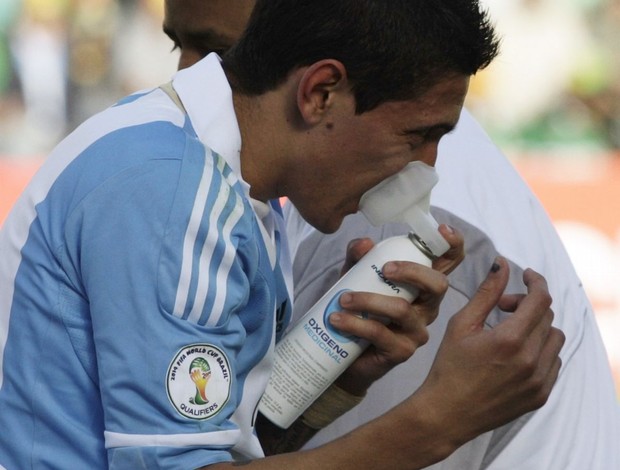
(139, 292)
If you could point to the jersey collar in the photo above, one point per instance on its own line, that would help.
(206, 95)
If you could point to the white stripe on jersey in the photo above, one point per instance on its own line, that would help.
(225, 265)
(188, 243)
(17, 225)
(229, 250)
(202, 291)
(213, 438)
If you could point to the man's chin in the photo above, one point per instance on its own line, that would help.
(329, 225)
(324, 225)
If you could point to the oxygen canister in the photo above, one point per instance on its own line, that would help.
(313, 354)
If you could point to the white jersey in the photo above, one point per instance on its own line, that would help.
(481, 194)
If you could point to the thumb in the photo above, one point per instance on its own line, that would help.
(356, 249)
(473, 315)
(453, 257)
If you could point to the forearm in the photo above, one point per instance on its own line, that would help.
(333, 403)
(409, 437)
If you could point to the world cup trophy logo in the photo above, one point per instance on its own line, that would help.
(195, 372)
(200, 373)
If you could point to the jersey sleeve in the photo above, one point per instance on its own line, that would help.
(165, 253)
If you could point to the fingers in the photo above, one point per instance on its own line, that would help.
(406, 322)
(445, 264)
(490, 377)
(510, 302)
(396, 327)
(529, 330)
(536, 370)
(473, 315)
(429, 284)
(530, 339)
(356, 248)
(393, 344)
(380, 310)
(453, 257)
(531, 307)
(549, 365)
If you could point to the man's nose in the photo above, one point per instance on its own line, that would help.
(428, 153)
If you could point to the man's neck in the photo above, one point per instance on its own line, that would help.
(264, 135)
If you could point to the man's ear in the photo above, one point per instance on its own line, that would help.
(317, 86)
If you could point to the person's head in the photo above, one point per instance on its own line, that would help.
(341, 94)
(392, 50)
(198, 27)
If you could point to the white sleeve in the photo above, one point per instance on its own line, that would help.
(579, 427)
(481, 194)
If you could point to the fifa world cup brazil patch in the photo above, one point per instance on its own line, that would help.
(199, 381)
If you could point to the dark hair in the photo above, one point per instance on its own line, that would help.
(392, 49)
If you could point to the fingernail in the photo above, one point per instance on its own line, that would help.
(448, 228)
(495, 267)
(345, 299)
(335, 318)
(389, 268)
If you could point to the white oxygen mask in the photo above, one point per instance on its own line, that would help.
(405, 197)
